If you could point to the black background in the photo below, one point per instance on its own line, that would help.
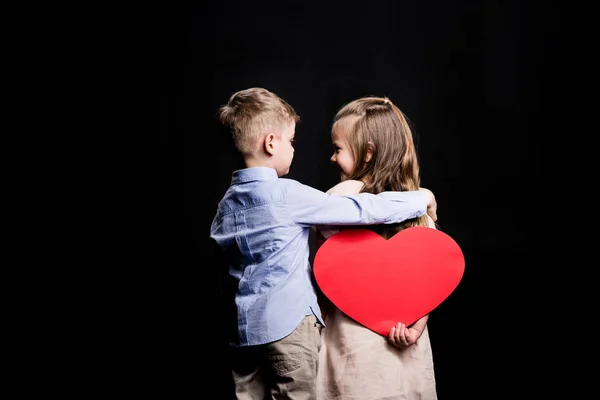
(475, 78)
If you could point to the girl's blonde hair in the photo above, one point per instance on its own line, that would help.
(253, 112)
(376, 123)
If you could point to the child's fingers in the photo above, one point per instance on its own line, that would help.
(395, 334)
(399, 335)
(404, 334)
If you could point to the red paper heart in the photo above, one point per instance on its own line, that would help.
(380, 282)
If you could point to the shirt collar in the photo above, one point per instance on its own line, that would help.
(253, 174)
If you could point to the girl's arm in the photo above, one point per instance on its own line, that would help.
(403, 336)
(418, 327)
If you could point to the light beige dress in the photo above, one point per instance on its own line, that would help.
(356, 363)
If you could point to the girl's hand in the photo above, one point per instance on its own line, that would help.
(402, 336)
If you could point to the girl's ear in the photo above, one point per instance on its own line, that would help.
(370, 149)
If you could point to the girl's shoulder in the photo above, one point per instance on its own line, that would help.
(346, 187)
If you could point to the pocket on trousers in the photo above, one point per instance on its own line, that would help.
(284, 364)
(286, 354)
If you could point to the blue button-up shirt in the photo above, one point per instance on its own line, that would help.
(266, 220)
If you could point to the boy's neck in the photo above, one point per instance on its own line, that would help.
(251, 162)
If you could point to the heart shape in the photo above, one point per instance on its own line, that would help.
(379, 282)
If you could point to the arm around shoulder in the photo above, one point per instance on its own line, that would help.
(431, 203)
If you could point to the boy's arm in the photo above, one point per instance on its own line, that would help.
(309, 206)
(431, 204)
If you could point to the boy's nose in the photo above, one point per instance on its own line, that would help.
(332, 159)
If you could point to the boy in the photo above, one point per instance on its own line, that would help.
(262, 226)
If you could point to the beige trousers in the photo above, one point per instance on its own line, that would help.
(285, 369)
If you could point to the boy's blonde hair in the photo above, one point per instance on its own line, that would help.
(251, 113)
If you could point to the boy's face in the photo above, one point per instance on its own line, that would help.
(285, 150)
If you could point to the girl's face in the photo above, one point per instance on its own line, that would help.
(342, 155)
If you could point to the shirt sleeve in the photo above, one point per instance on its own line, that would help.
(309, 206)
(346, 187)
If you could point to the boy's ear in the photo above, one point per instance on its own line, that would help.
(370, 149)
(270, 144)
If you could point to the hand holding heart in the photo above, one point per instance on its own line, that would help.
(380, 282)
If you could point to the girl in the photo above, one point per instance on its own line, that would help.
(374, 149)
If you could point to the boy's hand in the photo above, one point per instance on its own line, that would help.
(431, 203)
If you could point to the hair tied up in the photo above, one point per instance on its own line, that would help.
(386, 101)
